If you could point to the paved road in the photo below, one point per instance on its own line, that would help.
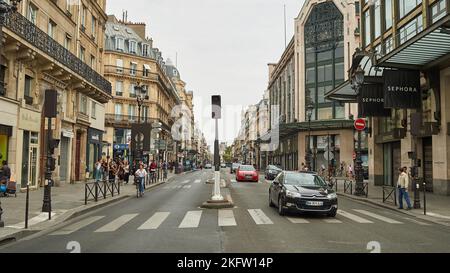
(169, 219)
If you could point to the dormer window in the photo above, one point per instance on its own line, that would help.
(145, 50)
(119, 43)
(133, 47)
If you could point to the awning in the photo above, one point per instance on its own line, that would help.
(372, 74)
(147, 67)
(424, 50)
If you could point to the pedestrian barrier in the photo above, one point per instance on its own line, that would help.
(366, 189)
(98, 189)
(348, 185)
(389, 194)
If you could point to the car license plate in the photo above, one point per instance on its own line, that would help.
(314, 203)
(248, 176)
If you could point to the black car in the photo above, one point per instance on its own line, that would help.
(234, 167)
(272, 172)
(302, 192)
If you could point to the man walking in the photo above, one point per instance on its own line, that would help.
(403, 184)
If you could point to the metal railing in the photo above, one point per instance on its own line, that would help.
(130, 72)
(348, 185)
(25, 29)
(389, 194)
(99, 189)
(366, 189)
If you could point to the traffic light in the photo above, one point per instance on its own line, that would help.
(216, 107)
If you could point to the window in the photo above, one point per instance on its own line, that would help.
(119, 88)
(118, 111)
(377, 18)
(388, 45)
(83, 17)
(132, 91)
(310, 55)
(367, 37)
(339, 71)
(51, 29)
(357, 11)
(411, 29)
(28, 86)
(94, 110)
(388, 13)
(119, 65)
(119, 43)
(406, 6)
(82, 54)
(438, 10)
(93, 63)
(310, 75)
(32, 13)
(132, 47)
(83, 104)
(133, 68)
(67, 42)
(145, 50)
(146, 70)
(94, 27)
(131, 112)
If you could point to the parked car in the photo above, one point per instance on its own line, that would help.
(234, 167)
(247, 173)
(208, 166)
(223, 165)
(302, 192)
(272, 171)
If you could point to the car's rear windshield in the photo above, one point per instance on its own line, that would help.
(272, 167)
(304, 180)
(246, 168)
(236, 165)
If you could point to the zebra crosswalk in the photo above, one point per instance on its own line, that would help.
(225, 218)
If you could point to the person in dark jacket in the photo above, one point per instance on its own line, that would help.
(6, 171)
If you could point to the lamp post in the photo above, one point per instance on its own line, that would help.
(309, 112)
(141, 96)
(358, 82)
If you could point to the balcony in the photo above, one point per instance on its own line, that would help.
(125, 121)
(52, 51)
(130, 73)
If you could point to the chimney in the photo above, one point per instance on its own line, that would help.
(139, 28)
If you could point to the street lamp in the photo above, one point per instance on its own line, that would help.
(309, 112)
(359, 179)
(141, 96)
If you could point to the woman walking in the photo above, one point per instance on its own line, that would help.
(98, 170)
(141, 174)
(126, 169)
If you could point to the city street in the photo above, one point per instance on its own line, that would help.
(169, 219)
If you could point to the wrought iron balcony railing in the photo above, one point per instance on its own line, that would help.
(129, 72)
(38, 38)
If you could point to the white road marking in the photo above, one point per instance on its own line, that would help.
(438, 215)
(155, 221)
(197, 181)
(379, 217)
(259, 217)
(117, 223)
(226, 218)
(332, 221)
(354, 217)
(77, 226)
(417, 222)
(42, 217)
(297, 220)
(185, 182)
(179, 187)
(191, 219)
(187, 187)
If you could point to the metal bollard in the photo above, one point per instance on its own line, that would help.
(424, 198)
(27, 205)
(96, 191)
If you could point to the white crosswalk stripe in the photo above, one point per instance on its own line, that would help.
(197, 181)
(417, 222)
(332, 221)
(378, 217)
(77, 226)
(191, 219)
(354, 217)
(259, 217)
(226, 218)
(155, 221)
(297, 220)
(187, 187)
(186, 181)
(117, 223)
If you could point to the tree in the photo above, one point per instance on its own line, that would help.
(227, 157)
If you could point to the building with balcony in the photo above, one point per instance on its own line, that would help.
(130, 61)
(405, 38)
(52, 45)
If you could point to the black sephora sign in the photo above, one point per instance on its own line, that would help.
(371, 101)
(140, 137)
(402, 89)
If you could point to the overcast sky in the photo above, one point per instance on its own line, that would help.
(223, 48)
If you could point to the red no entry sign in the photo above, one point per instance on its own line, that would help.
(360, 124)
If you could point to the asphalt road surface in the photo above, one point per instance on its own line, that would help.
(169, 219)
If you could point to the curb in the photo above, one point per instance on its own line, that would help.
(368, 201)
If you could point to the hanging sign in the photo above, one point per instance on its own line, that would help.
(371, 101)
(402, 89)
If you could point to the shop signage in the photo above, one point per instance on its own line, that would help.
(29, 120)
(67, 133)
(95, 137)
(371, 101)
(140, 136)
(402, 89)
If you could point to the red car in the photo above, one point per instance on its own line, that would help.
(247, 173)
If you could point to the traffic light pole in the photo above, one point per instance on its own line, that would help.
(47, 205)
(216, 195)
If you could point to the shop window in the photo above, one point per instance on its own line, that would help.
(377, 18)
(388, 13)
(28, 90)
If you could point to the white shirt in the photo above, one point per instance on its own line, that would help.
(141, 173)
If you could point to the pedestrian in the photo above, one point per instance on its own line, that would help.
(98, 170)
(350, 171)
(6, 171)
(126, 169)
(153, 168)
(403, 185)
(141, 174)
(164, 166)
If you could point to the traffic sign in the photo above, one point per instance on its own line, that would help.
(360, 124)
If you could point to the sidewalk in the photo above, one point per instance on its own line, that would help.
(67, 202)
(438, 206)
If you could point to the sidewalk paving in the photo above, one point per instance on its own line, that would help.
(437, 206)
(67, 202)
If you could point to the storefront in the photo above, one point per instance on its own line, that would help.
(65, 152)
(94, 149)
(5, 134)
